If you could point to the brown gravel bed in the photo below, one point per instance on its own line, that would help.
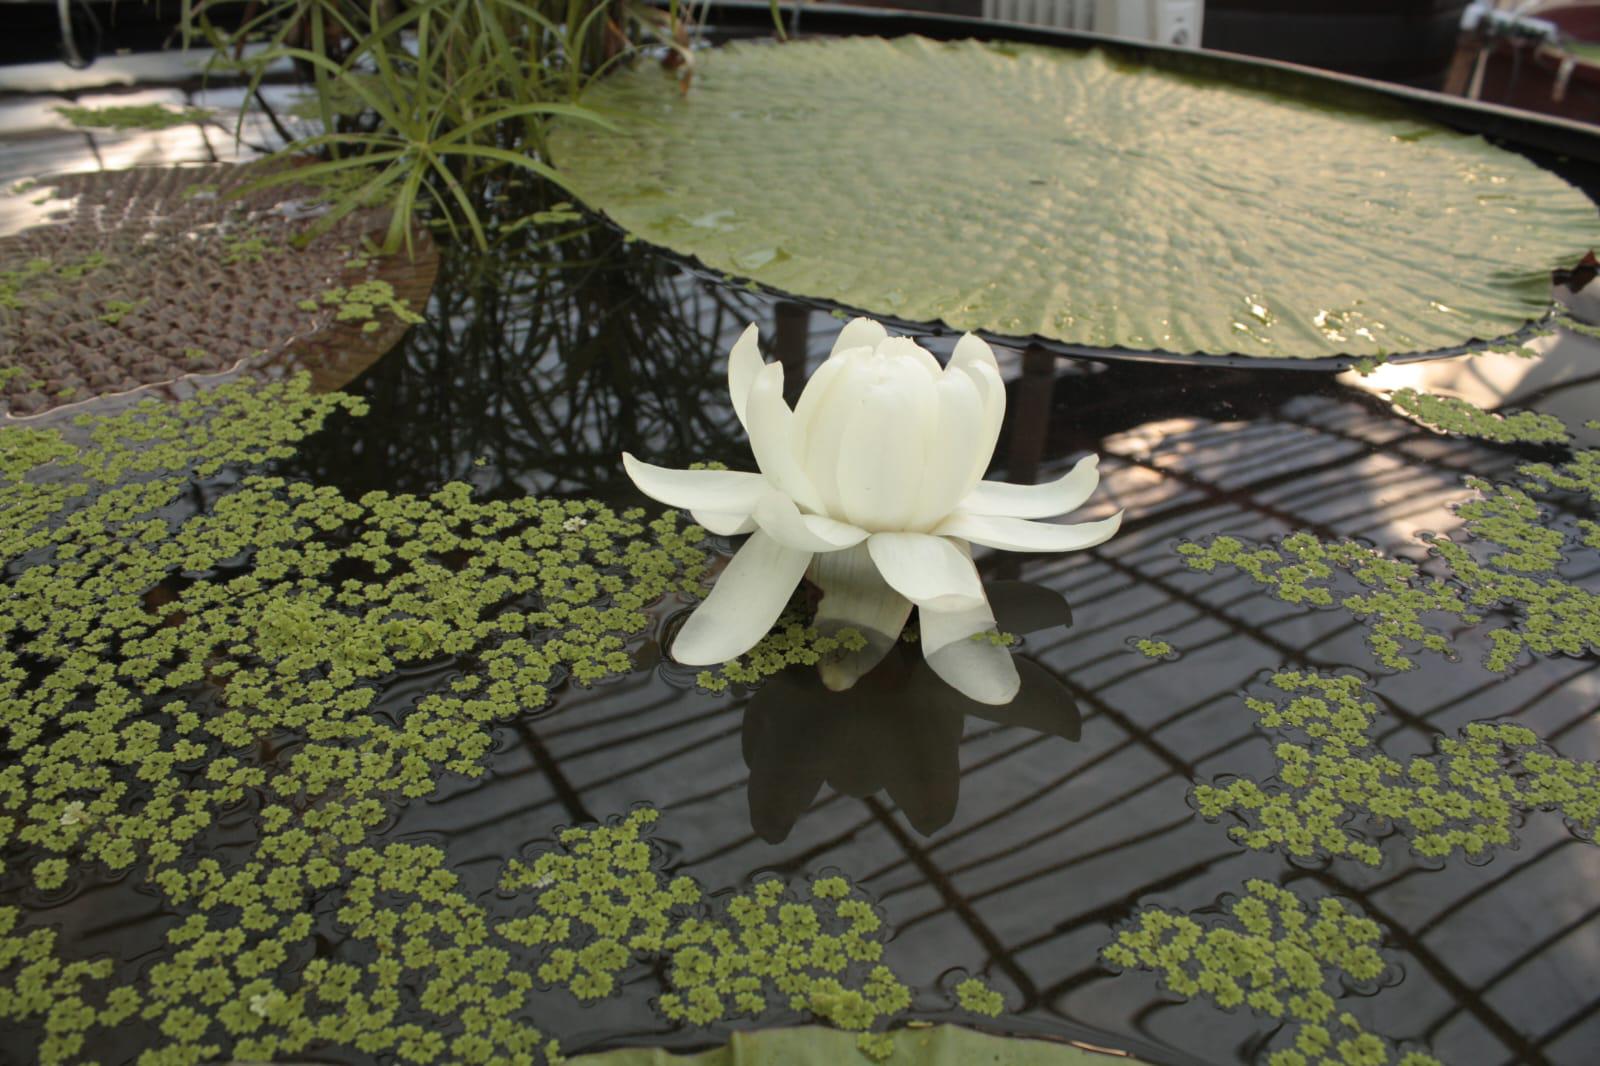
(153, 275)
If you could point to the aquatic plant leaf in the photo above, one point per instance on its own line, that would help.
(1074, 196)
(942, 1045)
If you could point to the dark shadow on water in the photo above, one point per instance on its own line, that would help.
(898, 730)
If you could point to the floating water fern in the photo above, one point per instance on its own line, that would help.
(133, 116)
(599, 908)
(1517, 572)
(1457, 416)
(1277, 956)
(150, 646)
(1337, 794)
(790, 642)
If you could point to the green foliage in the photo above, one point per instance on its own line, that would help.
(115, 311)
(133, 117)
(418, 104)
(34, 278)
(1453, 415)
(1336, 793)
(1517, 571)
(1276, 956)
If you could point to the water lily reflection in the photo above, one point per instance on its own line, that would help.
(897, 731)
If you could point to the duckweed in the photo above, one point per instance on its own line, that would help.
(1457, 416)
(1514, 573)
(362, 302)
(600, 909)
(132, 116)
(148, 649)
(790, 642)
(976, 996)
(1335, 793)
(1276, 954)
(145, 650)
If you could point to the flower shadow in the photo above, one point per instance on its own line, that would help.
(898, 730)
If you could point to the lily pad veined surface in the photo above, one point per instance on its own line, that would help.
(1030, 191)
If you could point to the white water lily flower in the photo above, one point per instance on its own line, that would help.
(871, 487)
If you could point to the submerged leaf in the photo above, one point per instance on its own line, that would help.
(815, 1046)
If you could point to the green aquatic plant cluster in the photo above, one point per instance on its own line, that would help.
(249, 245)
(1452, 415)
(133, 116)
(164, 664)
(599, 908)
(1277, 955)
(790, 642)
(31, 281)
(362, 302)
(976, 996)
(1301, 568)
(114, 311)
(1514, 571)
(1336, 793)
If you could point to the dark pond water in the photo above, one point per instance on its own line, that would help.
(997, 848)
(1052, 842)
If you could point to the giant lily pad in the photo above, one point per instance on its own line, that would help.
(944, 1045)
(1074, 196)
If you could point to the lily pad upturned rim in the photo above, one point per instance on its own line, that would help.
(817, 1045)
(1061, 349)
(1342, 93)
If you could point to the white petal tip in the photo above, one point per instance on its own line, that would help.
(955, 602)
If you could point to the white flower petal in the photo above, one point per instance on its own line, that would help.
(855, 596)
(744, 363)
(777, 515)
(947, 476)
(978, 669)
(820, 418)
(1035, 501)
(973, 350)
(722, 523)
(1019, 535)
(771, 427)
(746, 601)
(973, 358)
(885, 447)
(909, 350)
(727, 491)
(858, 333)
(928, 571)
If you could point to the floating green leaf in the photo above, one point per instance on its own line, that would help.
(814, 1046)
(1072, 195)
